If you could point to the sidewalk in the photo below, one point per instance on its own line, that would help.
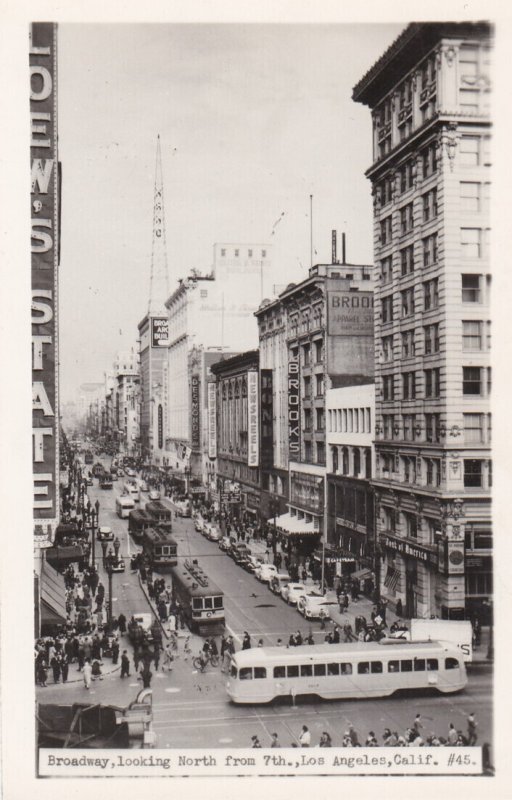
(364, 607)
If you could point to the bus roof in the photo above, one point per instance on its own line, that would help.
(257, 656)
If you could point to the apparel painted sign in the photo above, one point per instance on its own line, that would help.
(212, 420)
(195, 411)
(44, 269)
(253, 419)
(267, 423)
(159, 331)
(293, 409)
(349, 313)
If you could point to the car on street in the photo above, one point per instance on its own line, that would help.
(154, 494)
(105, 534)
(277, 582)
(105, 482)
(266, 572)
(292, 591)
(89, 481)
(120, 472)
(225, 543)
(253, 564)
(213, 533)
(143, 487)
(131, 473)
(117, 565)
(199, 524)
(313, 605)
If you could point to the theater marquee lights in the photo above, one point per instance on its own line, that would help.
(44, 266)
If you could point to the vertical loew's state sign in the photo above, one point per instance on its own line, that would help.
(44, 209)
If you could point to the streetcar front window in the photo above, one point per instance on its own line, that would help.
(197, 603)
(451, 663)
(217, 602)
(234, 672)
(208, 602)
(245, 674)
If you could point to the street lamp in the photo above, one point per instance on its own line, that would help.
(94, 521)
(110, 559)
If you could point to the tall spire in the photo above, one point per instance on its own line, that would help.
(159, 280)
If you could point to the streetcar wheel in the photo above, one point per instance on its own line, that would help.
(214, 661)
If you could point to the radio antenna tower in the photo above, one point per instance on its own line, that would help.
(159, 279)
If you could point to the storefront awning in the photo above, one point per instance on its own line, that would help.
(361, 574)
(53, 593)
(286, 523)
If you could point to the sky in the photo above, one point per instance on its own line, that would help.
(253, 119)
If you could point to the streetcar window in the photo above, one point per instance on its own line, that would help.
(376, 667)
(197, 603)
(393, 666)
(245, 674)
(451, 663)
(419, 665)
(279, 672)
(208, 602)
(165, 551)
(260, 672)
(333, 669)
(234, 672)
(306, 670)
(319, 670)
(406, 666)
(363, 668)
(217, 602)
(293, 672)
(346, 669)
(432, 664)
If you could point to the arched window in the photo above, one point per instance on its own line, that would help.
(345, 461)
(335, 463)
(357, 461)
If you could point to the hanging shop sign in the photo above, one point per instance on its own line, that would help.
(406, 548)
(212, 420)
(44, 271)
(267, 424)
(195, 411)
(293, 410)
(253, 419)
(159, 331)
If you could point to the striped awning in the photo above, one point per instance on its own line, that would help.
(392, 578)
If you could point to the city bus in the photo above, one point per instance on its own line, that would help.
(138, 521)
(124, 504)
(160, 548)
(201, 600)
(345, 671)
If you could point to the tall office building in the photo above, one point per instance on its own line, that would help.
(429, 97)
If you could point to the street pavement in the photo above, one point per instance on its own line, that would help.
(191, 709)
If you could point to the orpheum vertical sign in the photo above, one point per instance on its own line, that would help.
(44, 262)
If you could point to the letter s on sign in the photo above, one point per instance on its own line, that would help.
(44, 309)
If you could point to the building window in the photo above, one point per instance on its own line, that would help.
(307, 420)
(320, 419)
(471, 242)
(263, 253)
(307, 452)
(388, 390)
(470, 196)
(406, 219)
(306, 355)
(319, 385)
(408, 346)
(385, 191)
(408, 385)
(388, 422)
(385, 230)
(471, 335)
(471, 292)
(432, 382)
(473, 428)
(387, 348)
(320, 453)
(407, 260)
(429, 205)
(411, 525)
(406, 176)
(307, 388)
(472, 472)
(345, 460)
(237, 253)
(387, 308)
(432, 426)
(433, 472)
(389, 515)
(409, 465)
(409, 423)
(407, 302)
(319, 351)
(429, 160)
(431, 294)
(473, 92)
(294, 325)
(429, 250)
(386, 266)
(223, 251)
(431, 333)
(472, 380)
(469, 149)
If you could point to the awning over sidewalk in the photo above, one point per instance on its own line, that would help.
(361, 574)
(295, 526)
(53, 593)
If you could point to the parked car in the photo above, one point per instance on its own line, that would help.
(313, 605)
(225, 543)
(292, 591)
(265, 572)
(277, 582)
(130, 472)
(253, 564)
(120, 472)
(105, 534)
(199, 524)
(89, 481)
(143, 487)
(241, 553)
(118, 565)
(154, 494)
(213, 533)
